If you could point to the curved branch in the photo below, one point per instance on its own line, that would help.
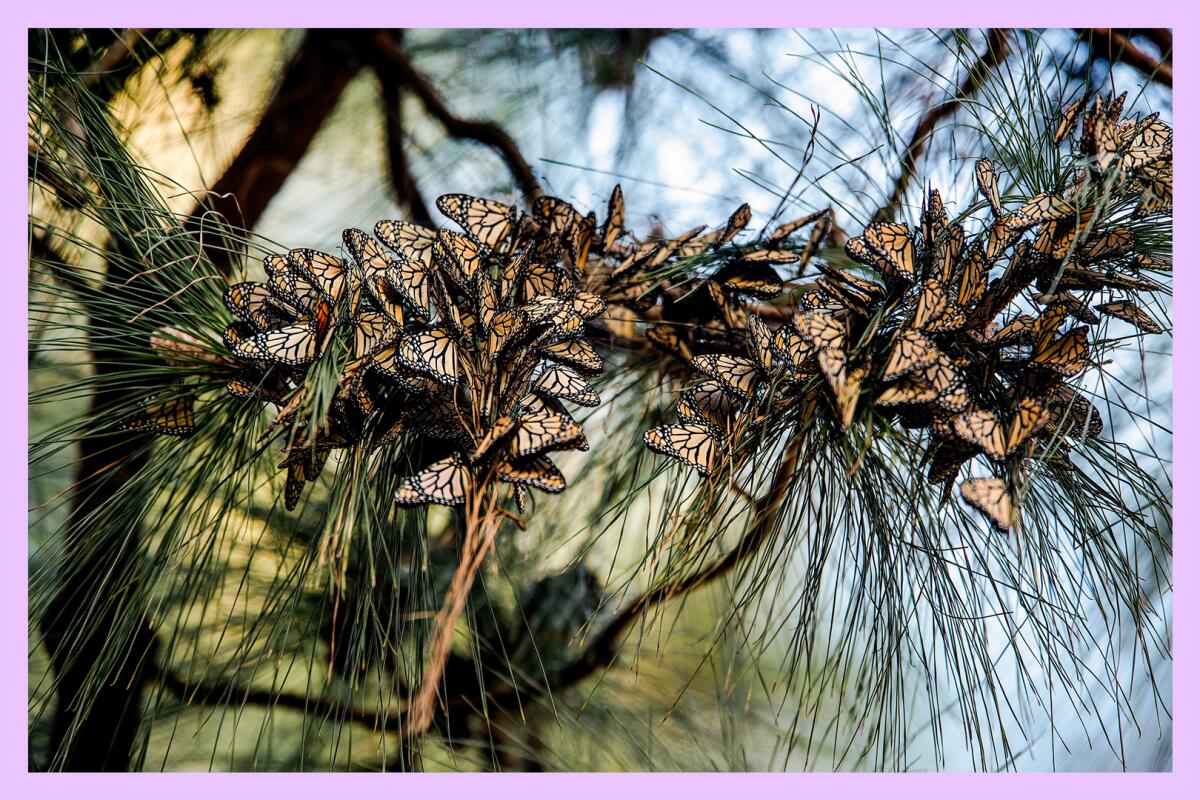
(1114, 46)
(388, 57)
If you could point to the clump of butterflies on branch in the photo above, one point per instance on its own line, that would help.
(919, 334)
(470, 345)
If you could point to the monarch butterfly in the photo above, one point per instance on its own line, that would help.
(1157, 196)
(973, 283)
(448, 313)
(407, 239)
(951, 389)
(1100, 137)
(982, 427)
(588, 305)
(537, 431)
(868, 290)
(770, 256)
(912, 350)
(500, 429)
(1046, 326)
(1074, 306)
(727, 305)
(1030, 416)
(738, 220)
(706, 402)
(1117, 241)
(911, 389)
(1132, 313)
(1074, 415)
(521, 498)
(253, 383)
(935, 312)
(171, 417)
(411, 281)
(1056, 239)
(1016, 331)
(372, 330)
(948, 250)
(1067, 121)
(506, 327)
(541, 279)
(1067, 355)
(1157, 263)
(760, 341)
(933, 217)
(788, 228)
(432, 352)
(326, 273)
(821, 328)
(989, 187)
(578, 353)
(444, 482)
(990, 496)
(946, 456)
(538, 472)
(1044, 207)
(304, 464)
(556, 216)
(257, 304)
(1079, 278)
(562, 381)
(738, 375)
(694, 443)
(459, 258)
(292, 344)
(845, 388)
(843, 296)
(615, 219)
(893, 242)
(1149, 141)
(667, 339)
(488, 221)
(791, 346)
(752, 280)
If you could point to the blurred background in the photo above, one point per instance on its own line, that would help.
(296, 135)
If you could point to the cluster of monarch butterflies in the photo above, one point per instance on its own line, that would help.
(913, 330)
(467, 344)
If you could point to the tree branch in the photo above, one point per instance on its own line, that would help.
(403, 184)
(213, 693)
(996, 50)
(388, 56)
(1114, 46)
(308, 92)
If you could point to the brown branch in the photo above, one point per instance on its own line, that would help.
(387, 55)
(1162, 38)
(403, 183)
(996, 50)
(602, 648)
(213, 693)
(1114, 46)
